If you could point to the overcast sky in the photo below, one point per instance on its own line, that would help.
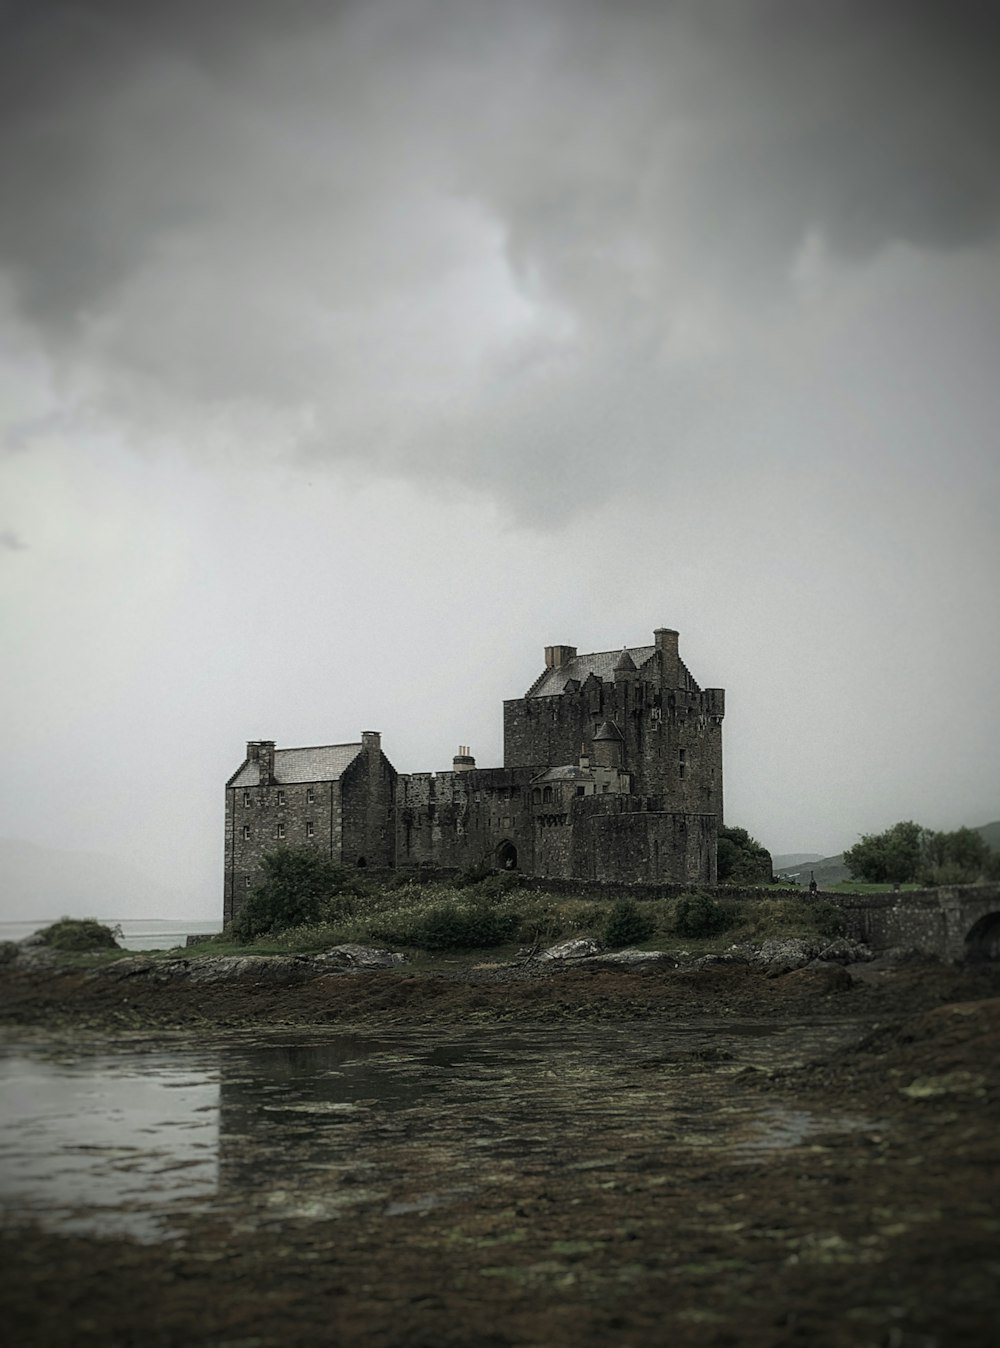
(351, 353)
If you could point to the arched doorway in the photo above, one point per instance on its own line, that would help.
(983, 939)
(507, 856)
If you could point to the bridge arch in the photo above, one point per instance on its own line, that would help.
(982, 941)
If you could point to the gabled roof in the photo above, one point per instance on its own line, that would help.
(601, 663)
(322, 763)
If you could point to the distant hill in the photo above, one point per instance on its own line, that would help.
(832, 870)
(45, 882)
(793, 860)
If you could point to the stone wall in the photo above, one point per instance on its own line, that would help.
(368, 790)
(306, 814)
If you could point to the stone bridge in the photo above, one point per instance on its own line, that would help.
(957, 922)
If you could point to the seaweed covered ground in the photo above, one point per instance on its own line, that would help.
(677, 1156)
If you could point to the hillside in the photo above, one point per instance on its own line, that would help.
(832, 870)
(790, 861)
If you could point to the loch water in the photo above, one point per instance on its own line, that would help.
(283, 1126)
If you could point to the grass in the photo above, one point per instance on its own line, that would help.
(440, 925)
(442, 920)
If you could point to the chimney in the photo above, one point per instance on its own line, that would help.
(557, 656)
(666, 643)
(463, 760)
(261, 752)
(371, 741)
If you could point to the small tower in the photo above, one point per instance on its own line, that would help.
(624, 665)
(608, 745)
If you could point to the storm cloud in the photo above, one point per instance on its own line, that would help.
(466, 241)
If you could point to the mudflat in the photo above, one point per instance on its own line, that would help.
(478, 1157)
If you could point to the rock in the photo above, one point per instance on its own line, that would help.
(576, 948)
(9, 951)
(633, 959)
(711, 961)
(36, 939)
(842, 951)
(354, 956)
(792, 953)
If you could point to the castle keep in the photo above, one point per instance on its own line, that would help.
(612, 771)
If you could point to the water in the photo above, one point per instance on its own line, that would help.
(273, 1129)
(138, 933)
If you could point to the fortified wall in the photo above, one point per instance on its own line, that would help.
(612, 772)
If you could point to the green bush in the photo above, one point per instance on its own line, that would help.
(80, 933)
(449, 926)
(627, 924)
(700, 915)
(300, 888)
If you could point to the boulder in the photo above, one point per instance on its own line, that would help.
(576, 948)
(633, 959)
(843, 951)
(792, 953)
(9, 951)
(354, 956)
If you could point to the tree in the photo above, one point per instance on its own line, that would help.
(741, 859)
(955, 858)
(893, 857)
(299, 888)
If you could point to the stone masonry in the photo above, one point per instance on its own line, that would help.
(612, 771)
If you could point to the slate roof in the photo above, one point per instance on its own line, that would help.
(323, 763)
(569, 773)
(601, 663)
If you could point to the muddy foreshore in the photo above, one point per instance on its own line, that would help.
(605, 1226)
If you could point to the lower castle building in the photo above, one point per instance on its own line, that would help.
(612, 771)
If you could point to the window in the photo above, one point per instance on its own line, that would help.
(310, 829)
(547, 794)
(281, 797)
(247, 799)
(536, 796)
(246, 882)
(581, 790)
(310, 796)
(682, 763)
(246, 830)
(281, 830)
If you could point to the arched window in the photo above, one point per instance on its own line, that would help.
(547, 794)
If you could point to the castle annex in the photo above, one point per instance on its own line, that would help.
(612, 771)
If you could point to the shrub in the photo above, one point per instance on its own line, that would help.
(700, 915)
(627, 924)
(299, 888)
(447, 926)
(80, 933)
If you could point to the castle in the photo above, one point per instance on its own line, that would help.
(612, 771)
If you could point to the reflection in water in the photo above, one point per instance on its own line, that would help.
(272, 1128)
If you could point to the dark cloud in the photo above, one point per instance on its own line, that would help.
(465, 240)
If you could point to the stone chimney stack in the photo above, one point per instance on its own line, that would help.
(261, 752)
(371, 742)
(557, 656)
(463, 760)
(666, 643)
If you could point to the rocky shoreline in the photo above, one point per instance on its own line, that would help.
(606, 1223)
